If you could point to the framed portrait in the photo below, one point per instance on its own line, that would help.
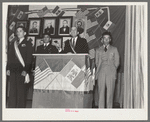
(49, 25)
(65, 24)
(22, 23)
(32, 39)
(39, 41)
(34, 26)
(80, 24)
(57, 42)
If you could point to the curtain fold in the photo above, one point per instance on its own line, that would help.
(134, 60)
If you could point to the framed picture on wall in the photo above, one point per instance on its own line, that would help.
(49, 25)
(34, 26)
(32, 39)
(57, 42)
(39, 41)
(65, 24)
(80, 24)
(22, 23)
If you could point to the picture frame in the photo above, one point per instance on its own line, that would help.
(32, 39)
(21, 23)
(39, 41)
(64, 25)
(57, 41)
(34, 26)
(80, 25)
(49, 25)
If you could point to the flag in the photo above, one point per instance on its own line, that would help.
(82, 13)
(91, 16)
(99, 13)
(109, 26)
(60, 13)
(91, 25)
(63, 88)
(12, 25)
(55, 9)
(12, 37)
(42, 71)
(21, 15)
(68, 73)
(42, 12)
(73, 74)
(92, 53)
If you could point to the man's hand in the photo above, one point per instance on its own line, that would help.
(24, 73)
(8, 72)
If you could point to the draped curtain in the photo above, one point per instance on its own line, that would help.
(134, 57)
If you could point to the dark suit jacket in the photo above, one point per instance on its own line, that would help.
(80, 47)
(80, 30)
(49, 30)
(26, 51)
(64, 32)
(49, 49)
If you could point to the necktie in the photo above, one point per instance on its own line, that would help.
(105, 49)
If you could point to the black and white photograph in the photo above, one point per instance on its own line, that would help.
(80, 24)
(22, 23)
(34, 26)
(64, 26)
(49, 26)
(39, 41)
(50, 70)
(32, 39)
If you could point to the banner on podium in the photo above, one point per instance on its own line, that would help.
(64, 75)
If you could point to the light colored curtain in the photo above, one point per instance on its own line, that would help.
(134, 56)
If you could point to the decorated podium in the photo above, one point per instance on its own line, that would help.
(62, 81)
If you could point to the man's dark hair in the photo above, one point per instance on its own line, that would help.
(34, 22)
(79, 22)
(23, 28)
(46, 34)
(65, 20)
(107, 33)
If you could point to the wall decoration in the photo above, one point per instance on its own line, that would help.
(80, 24)
(65, 24)
(49, 25)
(21, 23)
(34, 26)
(32, 39)
(39, 41)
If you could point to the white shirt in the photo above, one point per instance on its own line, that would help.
(20, 40)
(46, 44)
(106, 46)
(75, 39)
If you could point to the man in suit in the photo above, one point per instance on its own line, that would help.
(75, 44)
(34, 28)
(47, 47)
(49, 30)
(18, 67)
(64, 29)
(107, 62)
